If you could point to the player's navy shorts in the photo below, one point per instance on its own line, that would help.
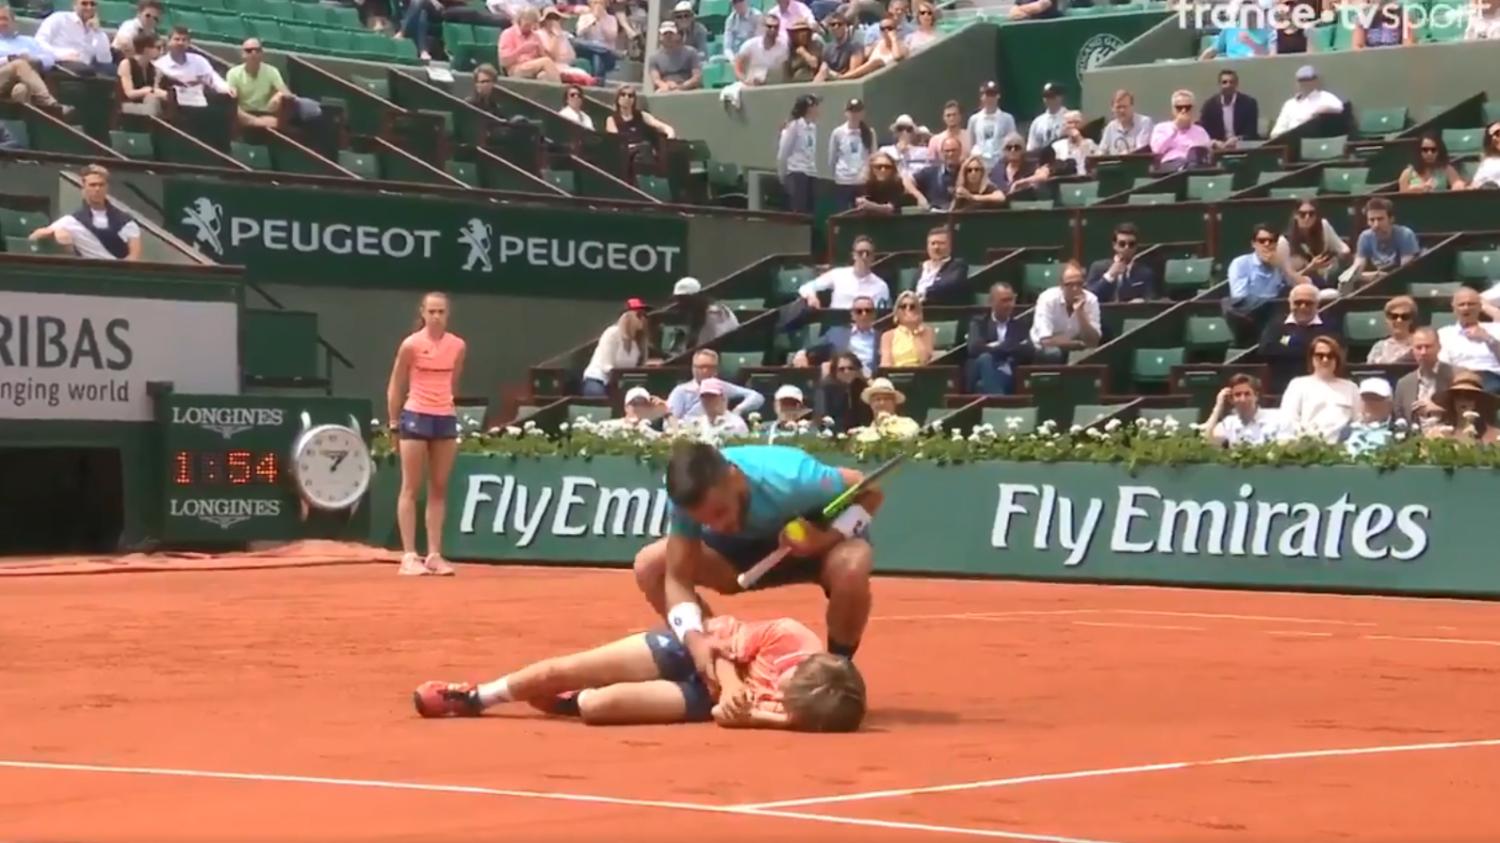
(675, 664)
(427, 426)
(743, 552)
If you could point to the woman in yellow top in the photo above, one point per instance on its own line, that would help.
(909, 343)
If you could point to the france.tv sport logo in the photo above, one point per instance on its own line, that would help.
(1283, 16)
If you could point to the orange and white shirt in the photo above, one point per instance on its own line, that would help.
(768, 652)
(430, 388)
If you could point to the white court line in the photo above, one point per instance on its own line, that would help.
(1475, 641)
(983, 616)
(1121, 771)
(1137, 625)
(531, 794)
(1222, 616)
(1297, 633)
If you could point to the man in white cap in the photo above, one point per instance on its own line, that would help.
(716, 416)
(791, 408)
(704, 318)
(642, 410)
(675, 66)
(694, 33)
(1372, 429)
(989, 126)
(1310, 101)
(909, 151)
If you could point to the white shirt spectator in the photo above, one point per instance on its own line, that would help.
(1460, 352)
(610, 353)
(84, 241)
(684, 403)
(1311, 405)
(794, 11)
(1488, 173)
(577, 116)
(192, 70)
(1045, 129)
(847, 155)
(125, 35)
(914, 160)
(1118, 140)
(1263, 427)
(1066, 150)
(1051, 317)
(760, 59)
(728, 424)
(1300, 109)
(718, 320)
(988, 132)
(847, 286)
(797, 152)
(70, 39)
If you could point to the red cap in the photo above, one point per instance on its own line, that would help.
(635, 304)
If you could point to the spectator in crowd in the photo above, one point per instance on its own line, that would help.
(1311, 246)
(1310, 101)
(939, 181)
(887, 50)
(911, 155)
(189, 72)
(793, 11)
(1388, 25)
(838, 393)
(77, 40)
(1180, 143)
(910, 341)
(674, 66)
(1073, 148)
(1488, 173)
(1122, 278)
(926, 33)
(1047, 128)
(521, 53)
(1484, 22)
(694, 33)
(804, 54)
(637, 128)
(850, 145)
(642, 411)
(262, 94)
(1371, 428)
(989, 126)
(1066, 317)
(884, 399)
(942, 278)
(975, 191)
(1292, 38)
(684, 400)
(141, 83)
(603, 36)
(953, 127)
(1241, 42)
(742, 25)
(791, 410)
(797, 155)
(147, 19)
(1432, 172)
(1400, 321)
(1238, 418)
(715, 418)
(898, 11)
(706, 320)
(1284, 343)
(858, 337)
(885, 190)
(22, 60)
(557, 45)
(1383, 247)
(486, 97)
(1256, 281)
(843, 53)
(623, 345)
(1416, 390)
(1036, 9)
(1470, 344)
(7, 140)
(1128, 132)
(1015, 172)
(997, 342)
(1320, 403)
(759, 56)
(849, 282)
(573, 107)
(1231, 115)
(1468, 412)
(97, 230)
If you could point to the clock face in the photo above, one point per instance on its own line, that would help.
(333, 466)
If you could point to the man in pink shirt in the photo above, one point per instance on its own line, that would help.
(1180, 142)
(521, 51)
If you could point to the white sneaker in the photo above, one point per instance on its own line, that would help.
(439, 566)
(411, 566)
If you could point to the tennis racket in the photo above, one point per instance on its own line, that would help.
(834, 509)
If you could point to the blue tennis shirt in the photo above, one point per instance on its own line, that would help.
(784, 483)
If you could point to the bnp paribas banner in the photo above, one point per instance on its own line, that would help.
(1411, 530)
(285, 234)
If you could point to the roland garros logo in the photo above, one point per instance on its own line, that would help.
(1095, 50)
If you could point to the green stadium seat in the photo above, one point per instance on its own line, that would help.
(1207, 332)
(229, 28)
(1463, 141)
(1151, 198)
(254, 156)
(1442, 319)
(137, 145)
(335, 41)
(1144, 182)
(379, 87)
(564, 180)
(1293, 192)
(580, 412)
(1185, 275)
(1037, 278)
(1346, 180)
(725, 176)
(1078, 194)
(657, 186)
(1266, 176)
(266, 29)
(17, 130)
(1232, 354)
(197, 22)
(906, 278)
(341, 17)
(1379, 122)
(1154, 365)
(24, 246)
(1185, 417)
(1323, 149)
(731, 362)
(1209, 188)
(742, 305)
(465, 171)
(790, 278)
(1033, 205)
(1320, 39)
(1442, 28)
(718, 73)
(21, 223)
(1087, 414)
(309, 13)
(302, 37)
(362, 164)
(944, 335)
(1132, 323)
(1009, 421)
(1365, 327)
(1433, 290)
(1479, 266)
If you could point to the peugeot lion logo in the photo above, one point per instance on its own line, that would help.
(476, 235)
(206, 219)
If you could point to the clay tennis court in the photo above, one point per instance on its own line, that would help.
(239, 705)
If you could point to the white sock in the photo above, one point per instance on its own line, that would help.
(495, 692)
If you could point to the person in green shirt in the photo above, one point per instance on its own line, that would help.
(262, 94)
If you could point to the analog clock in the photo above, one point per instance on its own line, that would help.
(332, 466)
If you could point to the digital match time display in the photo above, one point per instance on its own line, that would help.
(237, 467)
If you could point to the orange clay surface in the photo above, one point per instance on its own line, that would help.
(275, 705)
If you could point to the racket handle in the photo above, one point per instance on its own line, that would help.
(748, 579)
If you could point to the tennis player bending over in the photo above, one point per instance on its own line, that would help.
(773, 674)
(729, 510)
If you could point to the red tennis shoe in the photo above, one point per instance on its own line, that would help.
(447, 699)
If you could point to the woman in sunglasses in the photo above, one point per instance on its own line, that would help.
(573, 107)
(887, 50)
(910, 342)
(839, 393)
(1013, 172)
(975, 191)
(638, 128)
(926, 32)
(1488, 174)
(886, 190)
(1431, 172)
(1322, 402)
(1311, 246)
(1400, 319)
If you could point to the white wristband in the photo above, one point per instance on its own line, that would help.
(685, 618)
(854, 521)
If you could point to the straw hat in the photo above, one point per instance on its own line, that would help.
(882, 386)
(1468, 385)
